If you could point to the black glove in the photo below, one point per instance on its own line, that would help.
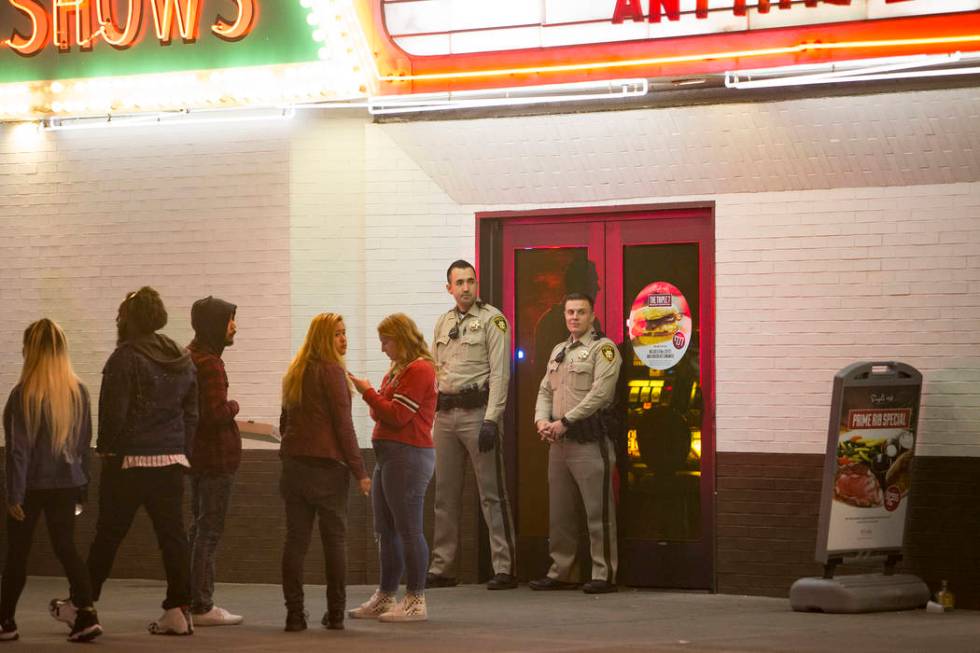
(488, 436)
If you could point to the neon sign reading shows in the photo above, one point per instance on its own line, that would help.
(120, 23)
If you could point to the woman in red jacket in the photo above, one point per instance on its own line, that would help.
(319, 453)
(403, 409)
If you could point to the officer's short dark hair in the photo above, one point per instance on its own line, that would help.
(458, 264)
(578, 295)
(141, 313)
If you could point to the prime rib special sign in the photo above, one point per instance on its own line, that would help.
(874, 454)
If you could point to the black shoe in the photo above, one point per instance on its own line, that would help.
(432, 580)
(599, 587)
(8, 630)
(502, 582)
(295, 621)
(333, 620)
(549, 584)
(86, 627)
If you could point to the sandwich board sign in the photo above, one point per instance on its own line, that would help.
(866, 487)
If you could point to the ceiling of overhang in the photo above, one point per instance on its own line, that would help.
(888, 139)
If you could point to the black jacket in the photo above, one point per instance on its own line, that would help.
(148, 404)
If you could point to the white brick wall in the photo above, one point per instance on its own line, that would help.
(811, 282)
(192, 211)
(335, 213)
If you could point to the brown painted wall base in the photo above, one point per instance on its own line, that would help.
(251, 548)
(768, 508)
(767, 511)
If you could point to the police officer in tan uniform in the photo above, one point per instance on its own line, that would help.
(471, 348)
(577, 390)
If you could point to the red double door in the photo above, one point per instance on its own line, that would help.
(651, 272)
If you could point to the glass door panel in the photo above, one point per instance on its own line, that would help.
(660, 273)
(661, 497)
(544, 262)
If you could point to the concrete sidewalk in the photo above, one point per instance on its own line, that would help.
(472, 620)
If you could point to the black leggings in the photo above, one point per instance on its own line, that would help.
(58, 507)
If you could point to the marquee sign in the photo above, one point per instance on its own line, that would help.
(78, 58)
(84, 22)
(430, 45)
(64, 39)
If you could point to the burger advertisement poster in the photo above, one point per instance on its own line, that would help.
(660, 325)
(873, 467)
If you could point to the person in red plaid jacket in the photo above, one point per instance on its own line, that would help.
(216, 453)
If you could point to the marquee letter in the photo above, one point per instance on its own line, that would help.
(628, 9)
(247, 13)
(670, 7)
(701, 9)
(763, 7)
(120, 39)
(61, 13)
(29, 45)
(188, 19)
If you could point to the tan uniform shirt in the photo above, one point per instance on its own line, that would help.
(480, 355)
(581, 384)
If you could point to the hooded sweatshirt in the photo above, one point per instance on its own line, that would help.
(217, 446)
(148, 402)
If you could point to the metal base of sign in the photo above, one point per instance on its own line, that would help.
(859, 593)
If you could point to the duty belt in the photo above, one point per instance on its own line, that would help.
(472, 397)
(590, 429)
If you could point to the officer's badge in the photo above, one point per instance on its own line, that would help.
(475, 325)
(584, 354)
(500, 323)
(609, 352)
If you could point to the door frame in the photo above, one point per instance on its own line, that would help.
(490, 270)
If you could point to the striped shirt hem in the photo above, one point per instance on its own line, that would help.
(163, 460)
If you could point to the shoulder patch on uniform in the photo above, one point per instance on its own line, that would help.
(609, 352)
(500, 323)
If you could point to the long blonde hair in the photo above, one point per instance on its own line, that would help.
(50, 390)
(318, 346)
(411, 343)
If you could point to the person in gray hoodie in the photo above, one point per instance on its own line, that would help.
(147, 420)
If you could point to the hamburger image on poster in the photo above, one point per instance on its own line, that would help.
(660, 325)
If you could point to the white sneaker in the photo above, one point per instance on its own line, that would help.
(175, 621)
(217, 617)
(63, 610)
(411, 608)
(379, 603)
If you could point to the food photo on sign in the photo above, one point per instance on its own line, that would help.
(660, 325)
(869, 465)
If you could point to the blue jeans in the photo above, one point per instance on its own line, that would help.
(401, 475)
(210, 496)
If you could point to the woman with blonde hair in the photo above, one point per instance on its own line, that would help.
(48, 427)
(403, 409)
(319, 453)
